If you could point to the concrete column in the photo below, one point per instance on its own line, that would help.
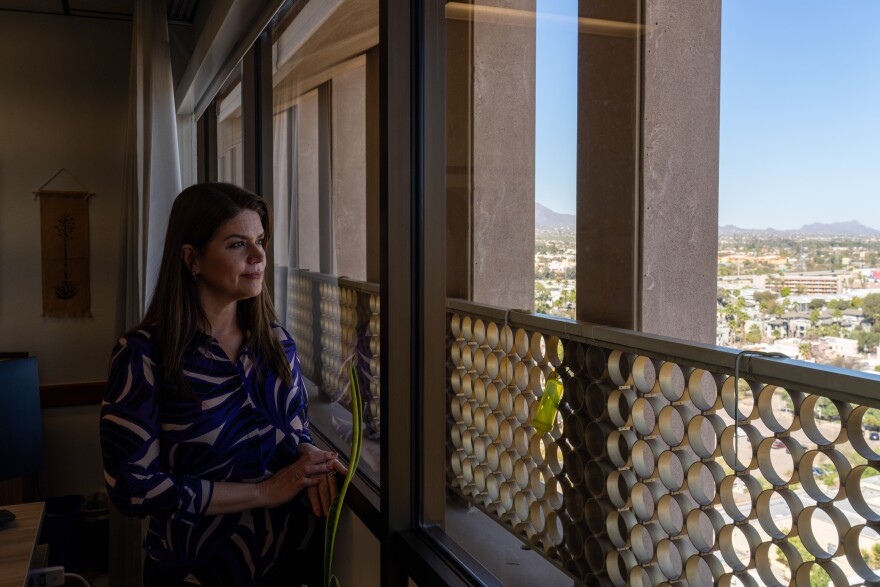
(306, 176)
(373, 149)
(459, 157)
(648, 168)
(349, 183)
(503, 201)
(680, 169)
(608, 168)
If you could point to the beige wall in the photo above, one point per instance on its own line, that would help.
(63, 103)
(356, 558)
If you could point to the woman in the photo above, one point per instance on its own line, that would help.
(204, 425)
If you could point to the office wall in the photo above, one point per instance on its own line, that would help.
(63, 103)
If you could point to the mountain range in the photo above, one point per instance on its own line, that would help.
(851, 228)
(547, 219)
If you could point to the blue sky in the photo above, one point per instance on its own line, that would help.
(800, 121)
(556, 105)
(800, 125)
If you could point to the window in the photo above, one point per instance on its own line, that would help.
(230, 152)
(325, 112)
(447, 307)
(511, 124)
(799, 253)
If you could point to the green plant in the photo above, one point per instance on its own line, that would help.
(357, 412)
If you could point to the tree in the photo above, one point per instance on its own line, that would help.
(826, 409)
(814, 317)
(817, 304)
(871, 420)
(785, 292)
(805, 350)
(871, 306)
(542, 299)
(818, 577)
(830, 330)
(754, 334)
(737, 316)
(838, 305)
(868, 341)
(872, 556)
(761, 296)
(568, 298)
(767, 301)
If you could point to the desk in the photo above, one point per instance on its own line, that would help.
(17, 541)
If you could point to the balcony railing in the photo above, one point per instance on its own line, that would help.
(333, 319)
(658, 469)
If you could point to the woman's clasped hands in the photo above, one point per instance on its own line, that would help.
(315, 471)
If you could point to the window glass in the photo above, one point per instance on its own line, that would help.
(651, 469)
(325, 115)
(511, 198)
(799, 236)
(230, 152)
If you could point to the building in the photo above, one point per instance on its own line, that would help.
(845, 347)
(813, 283)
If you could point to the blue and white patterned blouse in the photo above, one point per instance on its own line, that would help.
(162, 454)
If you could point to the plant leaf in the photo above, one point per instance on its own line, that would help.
(357, 411)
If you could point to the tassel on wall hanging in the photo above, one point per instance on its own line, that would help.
(64, 243)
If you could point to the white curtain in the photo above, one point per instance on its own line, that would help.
(151, 182)
(152, 174)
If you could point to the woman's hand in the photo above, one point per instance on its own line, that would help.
(324, 492)
(309, 470)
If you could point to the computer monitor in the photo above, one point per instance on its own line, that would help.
(21, 430)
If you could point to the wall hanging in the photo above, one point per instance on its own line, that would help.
(64, 242)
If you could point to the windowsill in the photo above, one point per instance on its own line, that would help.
(499, 551)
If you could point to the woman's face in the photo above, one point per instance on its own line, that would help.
(230, 267)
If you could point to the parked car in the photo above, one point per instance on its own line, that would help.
(778, 444)
(874, 435)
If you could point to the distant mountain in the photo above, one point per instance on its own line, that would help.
(545, 218)
(851, 228)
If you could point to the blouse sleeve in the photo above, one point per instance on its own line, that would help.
(297, 404)
(136, 481)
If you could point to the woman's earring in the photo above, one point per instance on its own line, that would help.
(195, 276)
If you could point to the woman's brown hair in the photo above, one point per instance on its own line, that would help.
(175, 311)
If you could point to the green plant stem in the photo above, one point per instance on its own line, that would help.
(357, 410)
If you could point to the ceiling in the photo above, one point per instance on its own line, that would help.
(179, 11)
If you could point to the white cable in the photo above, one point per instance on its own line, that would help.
(79, 578)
